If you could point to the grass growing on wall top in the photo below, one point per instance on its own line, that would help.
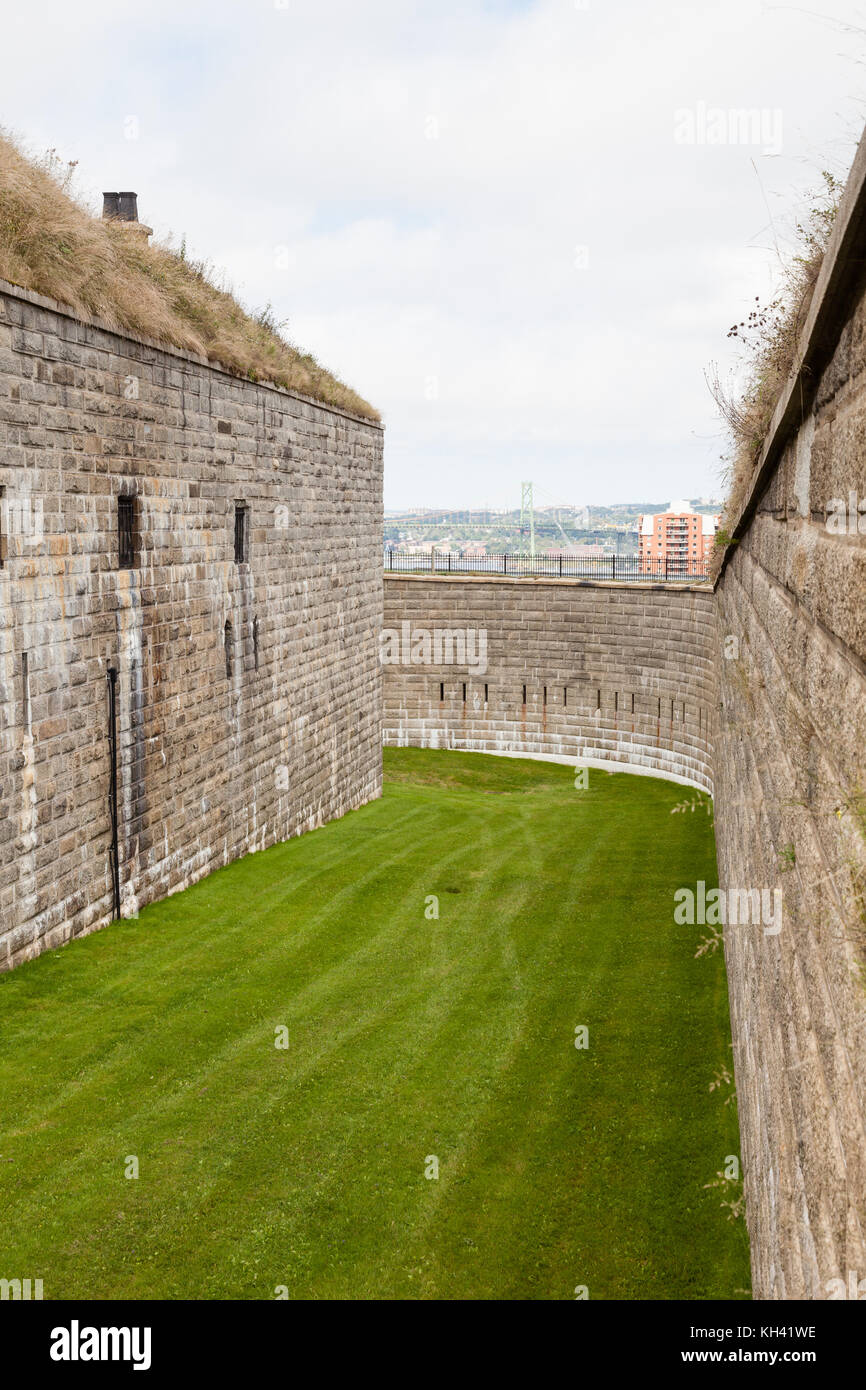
(770, 338)
(409, 1037)
(51, 244)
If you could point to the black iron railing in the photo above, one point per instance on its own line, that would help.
(626, 569)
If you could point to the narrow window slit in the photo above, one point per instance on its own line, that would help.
(126, 531)
(241, 533)
(25, 687)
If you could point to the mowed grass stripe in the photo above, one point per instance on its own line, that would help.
(123, 999)
(219, 1043)
(408, 1037)
(245, 1051)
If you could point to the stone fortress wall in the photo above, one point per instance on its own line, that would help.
(755, 691)
(248, 694)
(610, 675)
(790, 775)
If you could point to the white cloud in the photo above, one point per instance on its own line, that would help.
(477, 214)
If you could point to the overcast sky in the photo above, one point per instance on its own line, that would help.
(521, 229)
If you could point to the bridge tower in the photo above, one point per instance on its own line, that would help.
(527, 521)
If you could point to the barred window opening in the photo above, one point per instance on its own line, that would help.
(126, 531)
(241, 533)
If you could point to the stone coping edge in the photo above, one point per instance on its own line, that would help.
(185, 355)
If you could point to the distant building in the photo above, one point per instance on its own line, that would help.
(679, 539)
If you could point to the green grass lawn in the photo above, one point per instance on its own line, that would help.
(408, 1037)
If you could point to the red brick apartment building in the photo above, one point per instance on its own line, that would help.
(679, 539)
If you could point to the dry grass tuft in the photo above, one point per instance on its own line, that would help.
(51, 244)
(770, 336)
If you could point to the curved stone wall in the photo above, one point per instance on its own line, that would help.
(608, 675)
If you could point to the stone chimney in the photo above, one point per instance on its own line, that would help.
(123, 209)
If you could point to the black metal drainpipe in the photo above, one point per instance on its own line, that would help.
(112, 786)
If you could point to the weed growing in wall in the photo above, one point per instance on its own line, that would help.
(769, 335)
